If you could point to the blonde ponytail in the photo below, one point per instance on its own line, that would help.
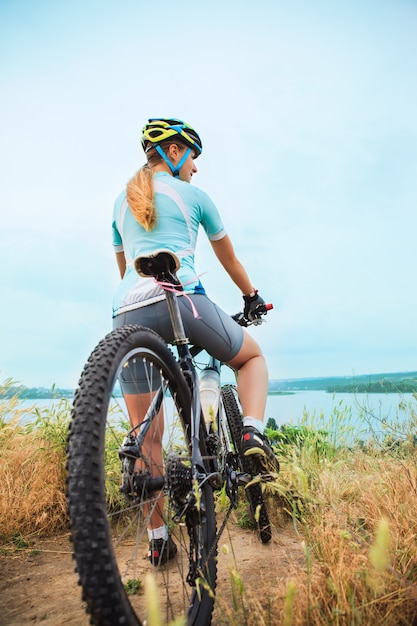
(140, 198)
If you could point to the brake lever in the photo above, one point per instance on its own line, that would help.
(262, 309)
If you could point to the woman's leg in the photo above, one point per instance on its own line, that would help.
(252, 386)
(137, 405)
(252, 378)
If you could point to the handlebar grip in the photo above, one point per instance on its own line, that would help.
(264, 308)
(261, 309)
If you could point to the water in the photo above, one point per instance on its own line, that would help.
(364, 414)
(346, 416)
(29, 409)
(290, 408)
(286, 409)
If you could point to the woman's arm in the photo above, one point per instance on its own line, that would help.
(121, 263)
(223, 249)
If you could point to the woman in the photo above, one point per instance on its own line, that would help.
(160, 209)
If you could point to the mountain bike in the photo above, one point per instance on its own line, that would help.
(118, 478)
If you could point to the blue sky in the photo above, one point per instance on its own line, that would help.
(307, 113)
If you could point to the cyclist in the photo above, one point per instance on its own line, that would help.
(159, 209)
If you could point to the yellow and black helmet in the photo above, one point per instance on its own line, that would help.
(159, 129)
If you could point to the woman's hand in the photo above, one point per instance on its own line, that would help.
(253, 302)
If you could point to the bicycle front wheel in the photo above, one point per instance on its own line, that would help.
(253, 492)
(118, 489)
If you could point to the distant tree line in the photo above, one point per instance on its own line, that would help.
(401, 382)
(382, 386)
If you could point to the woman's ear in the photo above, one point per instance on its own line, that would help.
(173, 152)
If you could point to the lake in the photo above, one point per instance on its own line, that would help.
(290, 408)
(337, 408)
(364, 413)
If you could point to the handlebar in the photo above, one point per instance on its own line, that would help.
(261, 309)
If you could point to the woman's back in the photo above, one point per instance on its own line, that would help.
(180, 209)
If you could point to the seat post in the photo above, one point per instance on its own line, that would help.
(180, 337)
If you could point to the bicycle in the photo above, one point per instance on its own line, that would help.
(115, 482)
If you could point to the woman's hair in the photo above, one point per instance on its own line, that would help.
(140, 191)
(140, 197)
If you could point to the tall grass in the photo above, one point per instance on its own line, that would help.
(32, 468)
(355, 506)
(352, 501)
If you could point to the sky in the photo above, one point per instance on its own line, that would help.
(307, 113)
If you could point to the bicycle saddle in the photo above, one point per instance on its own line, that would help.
(162, 265)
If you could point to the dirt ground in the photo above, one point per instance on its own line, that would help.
(38, 585)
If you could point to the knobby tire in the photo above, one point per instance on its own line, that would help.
(109, 528)
(253, 492)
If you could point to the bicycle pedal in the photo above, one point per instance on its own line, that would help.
(243, 479)
(126, 452)
(268, 477)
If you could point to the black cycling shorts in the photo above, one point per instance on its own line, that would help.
(213, 330)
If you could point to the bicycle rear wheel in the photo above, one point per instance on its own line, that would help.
(253, 492)
(113, 497)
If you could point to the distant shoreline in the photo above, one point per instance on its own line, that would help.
(402, 382)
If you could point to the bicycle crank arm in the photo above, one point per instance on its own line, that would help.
(245, 479)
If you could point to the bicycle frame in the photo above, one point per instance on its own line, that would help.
(185, 359)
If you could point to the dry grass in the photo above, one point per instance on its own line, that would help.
(358, 526)
(361, 548)
(32, 496)
(32, 478)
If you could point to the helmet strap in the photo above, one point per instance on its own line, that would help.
(175, 170)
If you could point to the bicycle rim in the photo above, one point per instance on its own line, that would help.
(110, 508)
(253, 492)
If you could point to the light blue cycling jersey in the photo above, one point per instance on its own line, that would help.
(181, 208)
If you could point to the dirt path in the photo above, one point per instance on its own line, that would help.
(39, 585)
